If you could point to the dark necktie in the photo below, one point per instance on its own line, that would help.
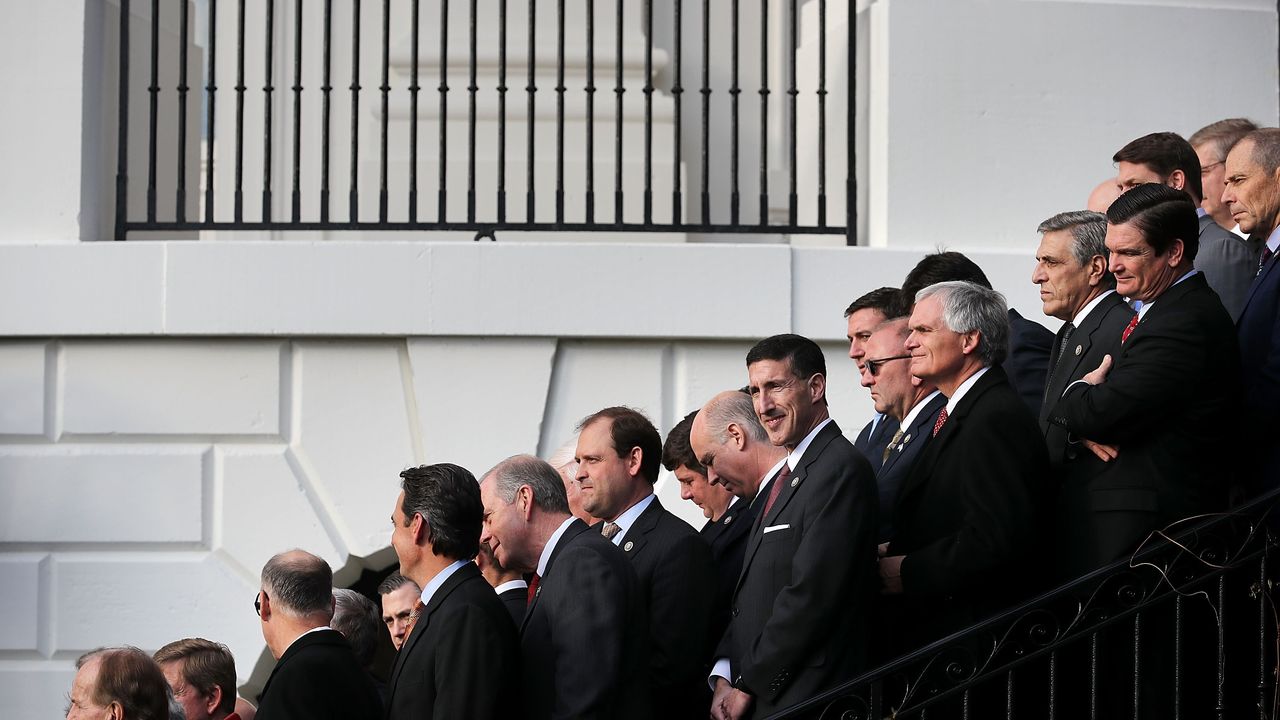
(942, 420)
(1267, 254)
(533, 589)
(776, 488)
(1066, 332)
(1128, 329)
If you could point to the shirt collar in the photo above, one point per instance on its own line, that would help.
(964, 388)
(915, 409)
(511, 585)
(1084, 311)
(1142, 311)
(434, 583)
(768, 476)
(628, 518)
(551, 545)
(794, 458)
(1273, 240)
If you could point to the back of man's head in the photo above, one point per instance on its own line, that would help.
(1163, 153)
(299, 584)
(447, 497)
(1162, 215)
(629, 429)
(516, 471)
(206, 666)
(129, 677)
(1222, 135)
(943, 266)
(356, 617)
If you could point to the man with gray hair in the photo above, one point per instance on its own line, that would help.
(316, 673)
(122, 683)
(1212, 143)
(969, 510)
(585, 636)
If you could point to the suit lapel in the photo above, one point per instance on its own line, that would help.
(915, 433)
(923, 467)
(454, 581)
(576, 528)
(1257, 282)
(635, 539)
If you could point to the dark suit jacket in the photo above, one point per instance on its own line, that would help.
(802, 606)
(516, 601)
(585, 637)
(896, 466)
(871, 443)
(1027, 366)
(319, 677)
(969, 514)
(727, 537)
(677, 580)
(1259, 337)
(1170, 403)
(462, 647)
(1229, 263)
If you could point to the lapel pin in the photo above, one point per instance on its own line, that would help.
(728, 519)
(628, 546)
(1079, 349)
(906, 439)
(795, 482)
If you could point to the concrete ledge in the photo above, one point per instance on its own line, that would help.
(400, 288)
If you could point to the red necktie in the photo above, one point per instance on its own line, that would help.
(1267, 254)
(418, 607)
(533, 589)
(1128, 330)
(776, 490)
(937, 424)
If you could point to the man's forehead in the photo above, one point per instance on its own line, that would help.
(866, 318)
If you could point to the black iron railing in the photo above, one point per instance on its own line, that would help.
(1185, 629)
(728, 45)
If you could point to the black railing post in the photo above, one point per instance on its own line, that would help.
(122, 139)
(385, 90)
(180, 197)
(442, 158)
(268, 91)
(296, 199)
(851, 169)
(154, 92)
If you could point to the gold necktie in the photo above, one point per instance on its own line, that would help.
(884, 457)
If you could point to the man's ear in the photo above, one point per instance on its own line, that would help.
(969, 342)
(264, 606)
(1177, 180)
(213, 699)
(736, 435)
(634, 460)
(116, 710)
(418, 528)
(1096, 270)
(1176, 251)
(817, 387)
(524, 501)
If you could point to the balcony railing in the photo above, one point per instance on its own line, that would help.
(1184, 629)
(486, 117)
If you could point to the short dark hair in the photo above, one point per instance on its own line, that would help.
(1165, 152)
(677, 451)
(942, 266)
(1162, 215)
(629, 429)
(804, 355)
(394, 582)
(1223, 135)
(129, 676)
(299, 583)
(205, 665)
(887, 300)
(358, 619)
(447, 497)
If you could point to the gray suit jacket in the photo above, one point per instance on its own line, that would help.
(1228, 262)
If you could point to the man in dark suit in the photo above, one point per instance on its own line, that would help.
(399, 594)
(511, 587)
(863, 316)
(585, 639)
(1154, 411)
(802, 605)
(911, 403)
(462, 642)
(1253, 195)
(1077, 288)
(969, 510)
(316, 674)
(1026, 363)
(1227, 260)
(725, 532)
(619, 453)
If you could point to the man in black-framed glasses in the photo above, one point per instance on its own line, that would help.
(910, 403)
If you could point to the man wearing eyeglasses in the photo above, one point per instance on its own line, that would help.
(1227, 260)
(316, 675)
(911, 403)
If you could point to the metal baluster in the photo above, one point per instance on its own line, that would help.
(385, 89)
(267, 91)
(1264, 677)
(1093, 676)
(822, 114)
(180, 211)
(443, 154)
(1010, 693)
(677, 92)
(1222, 644)
(1137, 665)
(591, 111)
(706, 112)
(472, 88)
(735, 198)
(414, 87)
(353, 195)
(648, 112)
(239, 183)
(764, 112)
(530, 89)
(1177, 657)
(122, 141)
(617, 140)
(559, 112)
(297, 111)
(793, 92)
(502, 111)
(154, 91)
(1053, 685)
(210, 89)
(326, 89)
(851, 177)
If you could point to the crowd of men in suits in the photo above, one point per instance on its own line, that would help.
(996, 444)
